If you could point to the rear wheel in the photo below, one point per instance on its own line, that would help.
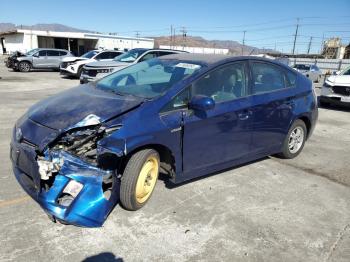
(295, 140)
(139, 179)
(24, 66)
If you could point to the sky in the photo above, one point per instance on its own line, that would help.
(268, 23)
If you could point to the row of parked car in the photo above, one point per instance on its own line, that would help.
(90, 66)
(97, 64)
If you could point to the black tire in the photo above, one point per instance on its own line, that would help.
(323, 103)
(24, 66)
(288, 153)
(130, 178)
(80, 70)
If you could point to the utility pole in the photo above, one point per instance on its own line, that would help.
(309, 47)
(184, 35)
(322, 45)
(243, 41)
(171, 36)
(137, 34)
(174, 36)
(295, 36)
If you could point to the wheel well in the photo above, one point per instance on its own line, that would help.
(307, 122)
(26, 62)
(166, 157)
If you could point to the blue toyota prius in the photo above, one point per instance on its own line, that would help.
(81, 152)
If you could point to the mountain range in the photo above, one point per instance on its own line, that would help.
(43, 27)
(234, 47)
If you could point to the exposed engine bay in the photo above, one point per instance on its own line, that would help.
(81, 143)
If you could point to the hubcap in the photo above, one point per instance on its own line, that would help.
(147, 179)
(24, 66)
(296, 139)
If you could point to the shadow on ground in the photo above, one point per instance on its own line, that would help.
(103, 257)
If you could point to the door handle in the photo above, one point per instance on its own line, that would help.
(290, 102)
(244, 115)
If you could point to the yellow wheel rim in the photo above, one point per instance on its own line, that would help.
(147, 179)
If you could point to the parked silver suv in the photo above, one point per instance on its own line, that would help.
(40, 58)
(96, 70)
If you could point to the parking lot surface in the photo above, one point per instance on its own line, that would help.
(269, 210)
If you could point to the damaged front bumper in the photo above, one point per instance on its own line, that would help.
(76, 193)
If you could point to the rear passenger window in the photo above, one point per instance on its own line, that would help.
(53, 53)
(103, 55)
(267, 78)
(161, 53)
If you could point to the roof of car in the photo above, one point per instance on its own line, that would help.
(211, 59)
(159, 49)
(201, 58)
(56, 49)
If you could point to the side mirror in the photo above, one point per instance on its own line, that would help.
(36, 55)
(335, 73)
(202, 103)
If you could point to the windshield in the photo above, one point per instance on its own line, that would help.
(89, 54)
(147, 79)
(346, 71)
(130, 56)
(302, 67)
(32, 52)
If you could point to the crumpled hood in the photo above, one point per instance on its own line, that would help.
(338, 80)
(105, 64)
(65, 110)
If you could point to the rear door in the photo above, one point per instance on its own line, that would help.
(273, 94)
(53, 58)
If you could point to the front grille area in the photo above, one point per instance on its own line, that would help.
(341, 90)
(90, 72)
(64, 65)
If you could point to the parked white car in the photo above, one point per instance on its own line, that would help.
(96, 70)
(310, 71)
(73, 66)
(336, 88)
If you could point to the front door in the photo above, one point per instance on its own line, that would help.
(40, 59)
(222, 134)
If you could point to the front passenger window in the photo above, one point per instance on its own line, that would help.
(148, 56)
(223, 84)
(42, 53)
(178, 102)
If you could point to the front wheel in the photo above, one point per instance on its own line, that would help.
(80, 70)
(295, 140)
(139, 179)
(24, 66)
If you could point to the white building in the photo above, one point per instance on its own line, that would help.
(198, 50)
(24, 40)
